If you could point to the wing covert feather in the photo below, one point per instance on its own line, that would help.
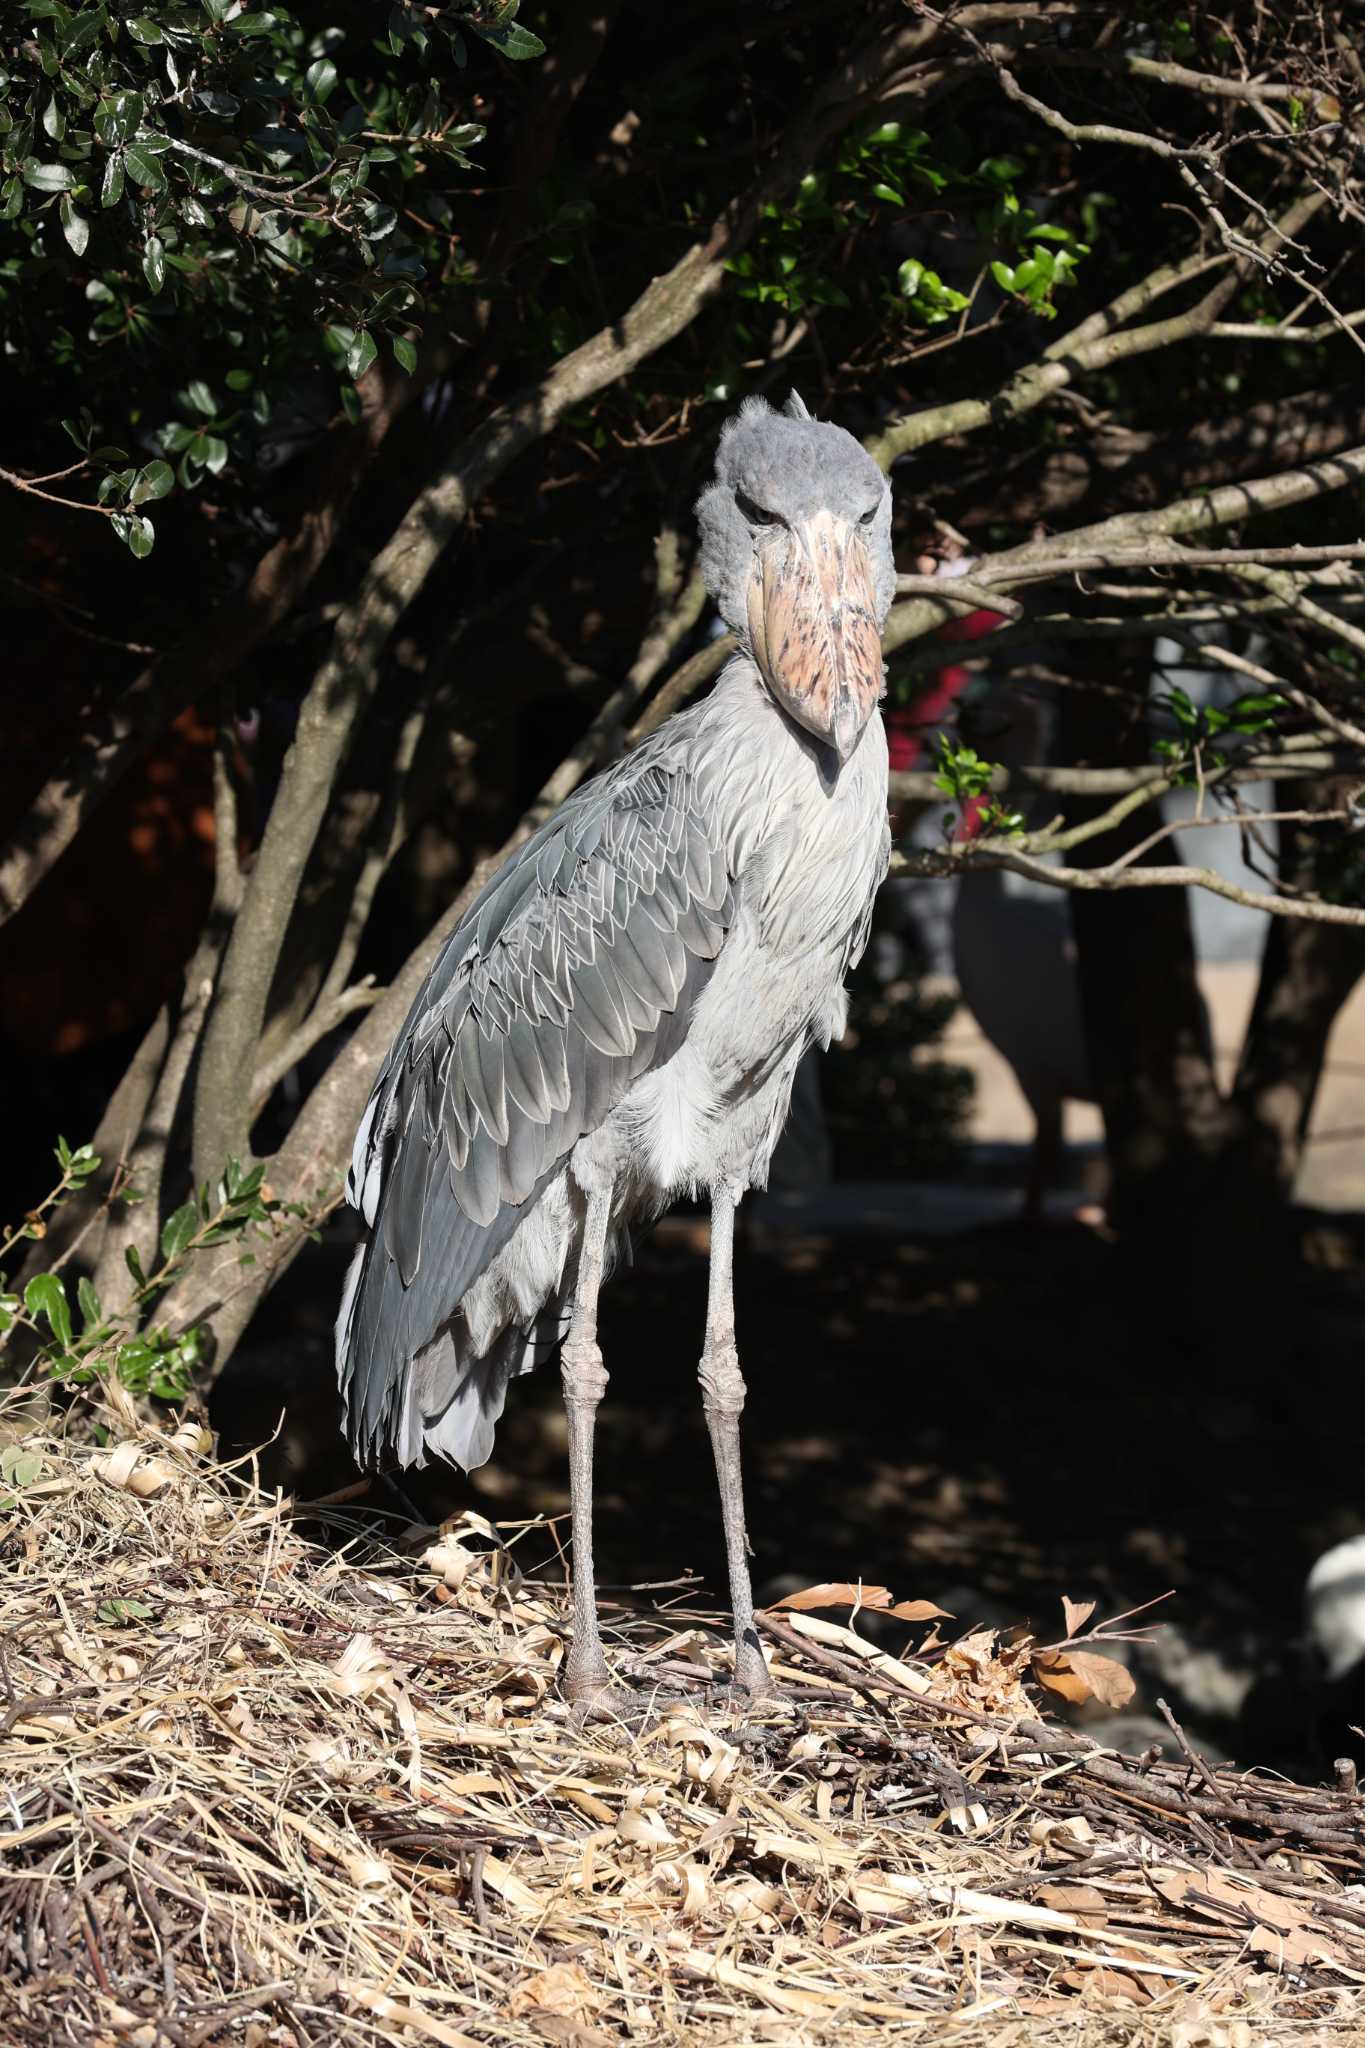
(574, 971)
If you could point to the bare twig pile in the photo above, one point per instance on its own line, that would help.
(260, 1789)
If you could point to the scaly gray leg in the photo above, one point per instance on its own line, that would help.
(722, 1393)
(1045, 1158)
(585, 1382)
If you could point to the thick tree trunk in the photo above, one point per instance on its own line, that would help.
(1196, 1195)
(1307, 974)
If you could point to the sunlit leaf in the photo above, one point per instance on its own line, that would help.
(45, 1296)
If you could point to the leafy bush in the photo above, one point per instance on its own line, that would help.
(203, 205)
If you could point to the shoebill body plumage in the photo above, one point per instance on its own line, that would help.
(619, 1017)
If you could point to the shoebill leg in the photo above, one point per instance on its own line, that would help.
(722, 1393)
(585, 1382)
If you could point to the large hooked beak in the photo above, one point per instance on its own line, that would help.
(813, 628)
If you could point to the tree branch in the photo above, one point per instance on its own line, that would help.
(113, 741)
(1312, 909)
(1094, 344)
(920, 785)
(325, 1015)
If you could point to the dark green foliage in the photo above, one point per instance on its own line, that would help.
(1197, 726)
(203, 207)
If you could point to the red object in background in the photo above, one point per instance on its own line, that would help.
(906, 729)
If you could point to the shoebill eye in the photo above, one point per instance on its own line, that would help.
(755, 514)
(866, 518)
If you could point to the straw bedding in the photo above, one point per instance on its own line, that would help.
(268, 1787)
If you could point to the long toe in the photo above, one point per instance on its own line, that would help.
(599, 1699)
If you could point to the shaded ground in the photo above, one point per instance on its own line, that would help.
(973, 1419)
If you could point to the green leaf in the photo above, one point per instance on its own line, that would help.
(157, 480)
(320, 79)
(1003, 276)
(201, 398)
(513, 41)
(48, 177)
(11, 198)
(111, 185)
(54, 120)
(20, 1467)
(361, 354)
(144, 30)
(75, 226)
(45, 1296)
(154, 262)
(178, 1229)
(115, 1613)
(889, 193)
(120, 116)
(404, 354)
(91, 1311)
(134, 1264)
(141, 537)
(377, 220)
(144, 169)
(252, 24)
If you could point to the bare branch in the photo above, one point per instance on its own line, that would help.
(31, 486)
(1241, 819)
(1216, 87)
(1250, 330)
(964, 590)
(1153, 779)
(1312, 909)
(389, 832)
(1291, 593)
(323, 1018)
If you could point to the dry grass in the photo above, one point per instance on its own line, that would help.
(261, 1789)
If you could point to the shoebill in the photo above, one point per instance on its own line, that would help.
(618, 1019)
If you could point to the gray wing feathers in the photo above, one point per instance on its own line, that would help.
(574, 971)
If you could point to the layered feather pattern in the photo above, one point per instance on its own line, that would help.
(572, 975)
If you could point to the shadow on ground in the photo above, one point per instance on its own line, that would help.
(980, 1420)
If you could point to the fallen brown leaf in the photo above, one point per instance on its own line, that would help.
(1081, 1901)
(1052, 1668)
(1102, 1986)
(1111, 1682)
(838, 1593)
(565, 1989)
(1078, 1675)
(876, 1599)
(1283, 1932)
(1077, 1612)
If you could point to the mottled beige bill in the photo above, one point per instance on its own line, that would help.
(813, 625)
